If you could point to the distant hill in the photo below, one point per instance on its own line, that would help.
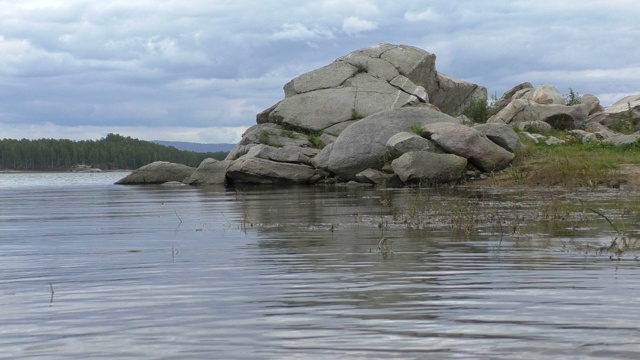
(197, 147)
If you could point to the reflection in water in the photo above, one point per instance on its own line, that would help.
(178, 272)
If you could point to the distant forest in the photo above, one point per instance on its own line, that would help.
(112, 152)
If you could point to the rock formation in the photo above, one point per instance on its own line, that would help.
(383, 115)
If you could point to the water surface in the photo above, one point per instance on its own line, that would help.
(89, 269)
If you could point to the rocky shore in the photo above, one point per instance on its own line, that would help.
(384, 116)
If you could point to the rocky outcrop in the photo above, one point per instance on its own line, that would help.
(559, 116)
(364, 82)
(384, 116)
(158, 172)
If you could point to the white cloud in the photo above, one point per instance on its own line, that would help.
(354, 25)
(297, 31)
(428, 15)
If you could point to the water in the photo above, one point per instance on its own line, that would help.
(94, 270)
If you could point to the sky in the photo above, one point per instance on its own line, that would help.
(200, 70)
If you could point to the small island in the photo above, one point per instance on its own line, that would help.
(384, 116)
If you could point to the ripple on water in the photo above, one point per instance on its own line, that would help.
(97, 270)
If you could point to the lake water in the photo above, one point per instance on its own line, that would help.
(89, 269)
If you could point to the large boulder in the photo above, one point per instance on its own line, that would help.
(321, 160)
(469, 143)
(209, 172)
(158, 172)
(404, 142)
(453, 95)
(261, 171)
(548, 94)
(363, 145)
(592, 102)
(501, 134)
(510, 95)
(429, 167)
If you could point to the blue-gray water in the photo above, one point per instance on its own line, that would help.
(94, 270)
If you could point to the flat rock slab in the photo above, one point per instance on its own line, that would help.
(253, 170)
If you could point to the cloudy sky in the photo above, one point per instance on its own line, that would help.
(200, 70)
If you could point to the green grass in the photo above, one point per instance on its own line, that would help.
(572, 165)
(314, 139)
(264, 137)
(416, 129)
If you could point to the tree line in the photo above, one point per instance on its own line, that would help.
(111, 152)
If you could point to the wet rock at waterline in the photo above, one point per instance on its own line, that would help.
(428, 167)
(158, 172)
(209, 172)
(261, 171)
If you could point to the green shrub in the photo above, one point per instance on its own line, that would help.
(573, 98)
(477, 111)
(623, 123)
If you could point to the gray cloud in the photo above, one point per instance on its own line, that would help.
(201, 69)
